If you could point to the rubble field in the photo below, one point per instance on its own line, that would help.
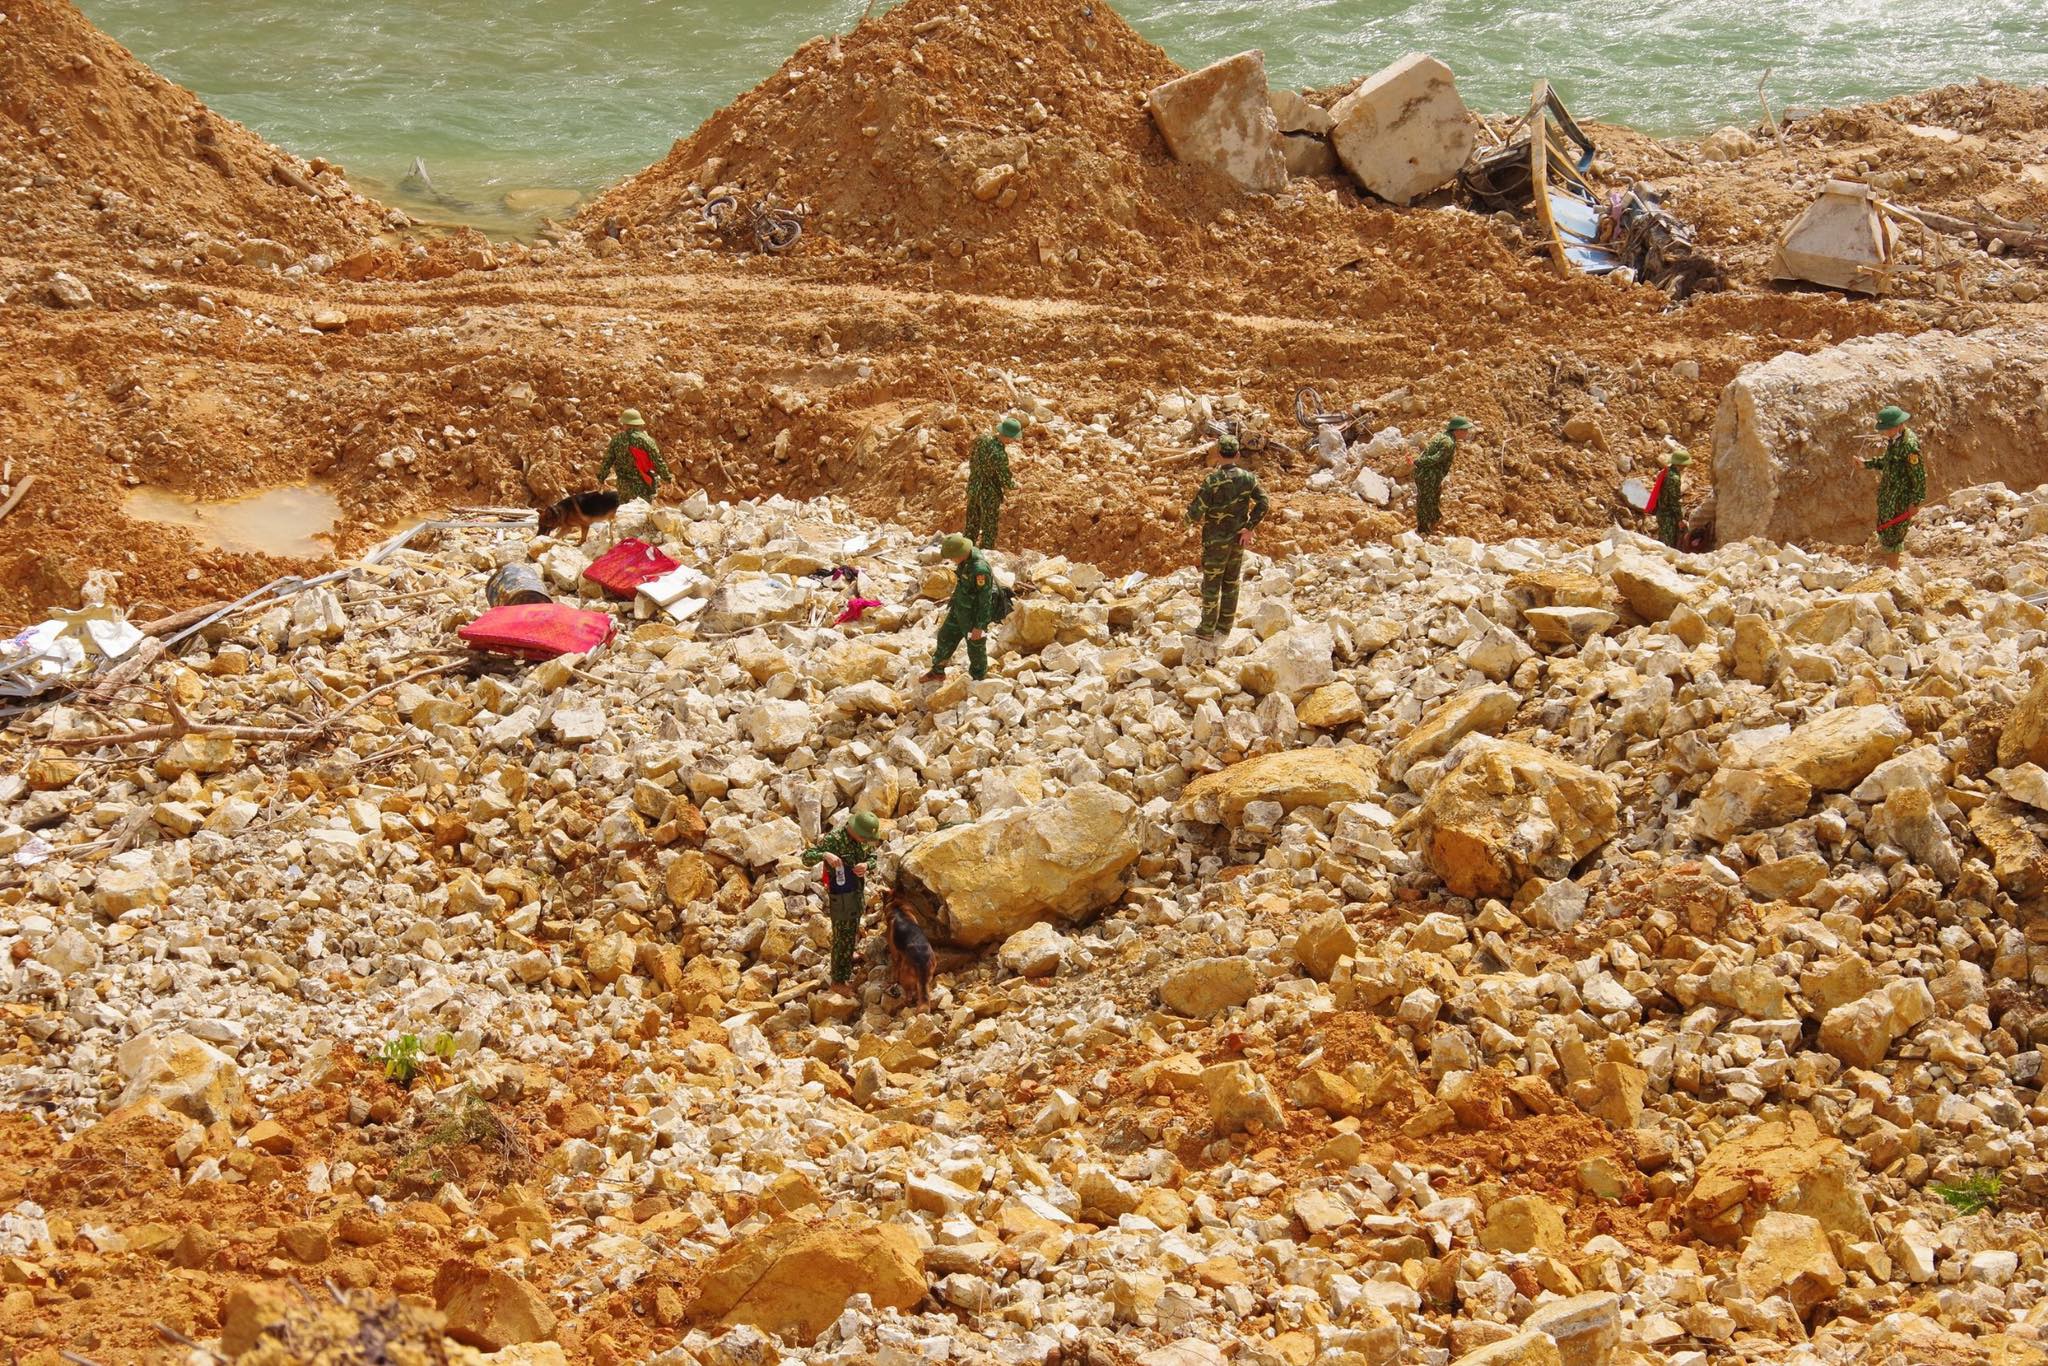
(1530, 947)
(1492, 953)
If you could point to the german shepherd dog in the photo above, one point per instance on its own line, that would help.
(579, 510)
(911, 961)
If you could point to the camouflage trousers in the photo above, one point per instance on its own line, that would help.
(1668, 525)
(1892, 539)
(984, 509)
(1429, 492)
(1222, 563)
(951, 633)
(846, 912)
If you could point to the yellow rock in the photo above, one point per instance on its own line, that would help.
(1523, 1349)
(1293, 778)
(793, 1279)
(1060, 859)
(488, 1309)
(1785, 1166)
(1483, 710)
(2025, 739)
(1789, 1255)
(691, 880)
(1523, 1223)
(1507, 812)
(1330, 706)
(196, 753)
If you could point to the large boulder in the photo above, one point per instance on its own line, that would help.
(1652, 588)
(1484, 710)
(1064, 858)
(1862, 1032)
(1405, 131)
(793, 1279)
(746, 599)
(1738, 800)
(1220, 118)
(2025, 738)
(181, 1073)
(1831, 753)
(1294, 777)
(1788, 427)
(1504, 812)
(488, 1309)
(1782, 1165)
(1789, 1255)
(1294, 662)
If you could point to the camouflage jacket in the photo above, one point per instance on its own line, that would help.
(850, 851)
(1435, 460)
(1229, 501)
(1903, 478)
(988, 467)
(974, 593)
(619, 460)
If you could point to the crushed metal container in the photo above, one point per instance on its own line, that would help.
(1843, 241)
(516, 584)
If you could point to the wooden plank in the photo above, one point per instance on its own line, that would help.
(1539, 176)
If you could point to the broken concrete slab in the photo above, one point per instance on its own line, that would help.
(1220, 118)
(1405, 131)
(1789, 428)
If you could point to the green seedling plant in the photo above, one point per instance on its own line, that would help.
(1974, 1196)
(402, 1060)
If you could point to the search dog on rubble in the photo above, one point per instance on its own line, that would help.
(580, 511)
(911, 960)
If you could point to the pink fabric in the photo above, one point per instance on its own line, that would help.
(626, 566)
(854, 607)
(538, 630)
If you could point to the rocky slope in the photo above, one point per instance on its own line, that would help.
(1508, 953)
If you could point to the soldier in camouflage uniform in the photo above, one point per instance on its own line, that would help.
(1227, 506)
(845, 888)
(1902, 481)
(634, 460)
(1667, 499)
(972, 608)
(1432, 466)
(988, 479)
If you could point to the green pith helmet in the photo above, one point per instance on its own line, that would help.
(1893, 416)
(956, 547)
(1226, 446)
(1679, 459)
(865, 827)
(1460, 424)
(631, 417)
(1010, 429)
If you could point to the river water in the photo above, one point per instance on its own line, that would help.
(502, 96)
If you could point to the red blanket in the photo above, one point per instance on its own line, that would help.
(626, 566)
(538, 630)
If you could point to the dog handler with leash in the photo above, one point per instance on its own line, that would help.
(845, 854)
(634, 460)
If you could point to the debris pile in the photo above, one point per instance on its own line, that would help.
(77, 107)
(1510, 952)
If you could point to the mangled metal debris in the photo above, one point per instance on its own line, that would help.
(1844, 240)
(1544, 166)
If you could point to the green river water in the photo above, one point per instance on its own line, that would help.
(498, 96)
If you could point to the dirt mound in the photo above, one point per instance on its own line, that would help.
(98, 146)
(1009, 144)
